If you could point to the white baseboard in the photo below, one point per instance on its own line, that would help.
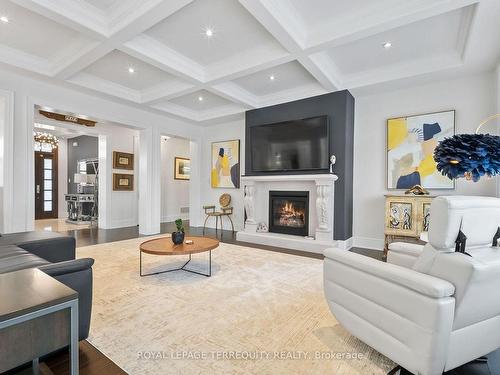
(368, 243)
(122, 224)
(344, 244)
(174, 217)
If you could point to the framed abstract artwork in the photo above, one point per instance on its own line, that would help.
(411, 142)
(123, 182)
(123, 160)
(182, 168)
(225, 164)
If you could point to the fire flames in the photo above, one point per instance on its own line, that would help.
(291, 216)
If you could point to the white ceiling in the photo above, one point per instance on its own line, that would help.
(310, 47)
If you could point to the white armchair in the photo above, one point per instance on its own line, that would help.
(438, 315)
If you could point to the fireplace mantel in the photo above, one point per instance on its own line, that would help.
(321, 199)
(318, 178)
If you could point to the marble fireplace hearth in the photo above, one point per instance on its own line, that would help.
(320, 189)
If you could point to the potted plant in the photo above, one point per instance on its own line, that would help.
(178, 237)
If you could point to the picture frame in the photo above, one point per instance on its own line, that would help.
(410, 144)
(123, 160)
(123, 182)
(225, 164)
(182, 168)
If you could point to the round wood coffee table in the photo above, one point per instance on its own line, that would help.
(165, 246)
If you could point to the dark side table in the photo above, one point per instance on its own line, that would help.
(38, 315)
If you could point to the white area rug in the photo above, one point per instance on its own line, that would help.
(261, 312)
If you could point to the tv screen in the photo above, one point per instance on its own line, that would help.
(297, 145)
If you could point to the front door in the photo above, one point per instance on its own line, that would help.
(46, 184)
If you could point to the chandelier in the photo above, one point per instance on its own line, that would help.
(469, 155)
(47, 139)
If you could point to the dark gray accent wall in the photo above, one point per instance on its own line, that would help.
(339, 107)
(87, 148)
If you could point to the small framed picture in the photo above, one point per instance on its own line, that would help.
(123, 160)
(182, 168)
(123, 182)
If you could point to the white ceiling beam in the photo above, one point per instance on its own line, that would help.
(76, 15)
(107, 87)
(349, 30)
(232, 70)
(235, 93)
(323, 72)
(149, 50)
(279, 20)
(139, 20)
(165, 92)
(263, 12)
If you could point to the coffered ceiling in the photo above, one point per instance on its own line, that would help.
(206, 60)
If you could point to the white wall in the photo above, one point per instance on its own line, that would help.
(123, 205)
(174, 193)
(209, 195)
(29, 91)
(473, 98)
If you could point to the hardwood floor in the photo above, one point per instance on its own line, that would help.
(93, 362)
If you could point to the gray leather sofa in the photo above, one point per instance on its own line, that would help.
(54, 254)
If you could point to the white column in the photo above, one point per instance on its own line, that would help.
(249, 202)
(149, 181)
(104, 181)
(6, 160)
(324, 210)
(195, 184)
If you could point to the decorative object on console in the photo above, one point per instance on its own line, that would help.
(123, 182)
(469, 155)
(178, 236)
(123, 160)
(406, 217)
(225, 167)
(417, 190)
(410, 149)
(182, 168)
(262, 228)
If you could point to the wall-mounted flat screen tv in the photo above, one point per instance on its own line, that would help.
(298, 145)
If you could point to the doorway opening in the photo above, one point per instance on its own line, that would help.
(175, 180)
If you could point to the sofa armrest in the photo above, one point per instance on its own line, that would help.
(77, 275)
(70, 266)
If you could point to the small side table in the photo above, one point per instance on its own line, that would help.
(38, 315)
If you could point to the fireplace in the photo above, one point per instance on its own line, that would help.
(289, 212)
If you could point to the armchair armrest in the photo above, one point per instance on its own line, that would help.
(419, 282)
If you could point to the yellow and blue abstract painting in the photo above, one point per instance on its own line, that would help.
(225, 171)
(410, 150)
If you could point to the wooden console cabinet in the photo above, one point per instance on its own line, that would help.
(406, 217)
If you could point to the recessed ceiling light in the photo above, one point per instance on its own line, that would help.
(131, 70)
(387, 45)
(4, 19)
(209, 32)
(272, 78)
(200, 98)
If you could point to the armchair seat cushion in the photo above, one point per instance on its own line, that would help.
(406, 248)
(13, 258)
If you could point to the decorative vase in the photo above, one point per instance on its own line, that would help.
(177, 237)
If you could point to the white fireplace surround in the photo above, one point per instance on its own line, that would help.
(321, 199)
